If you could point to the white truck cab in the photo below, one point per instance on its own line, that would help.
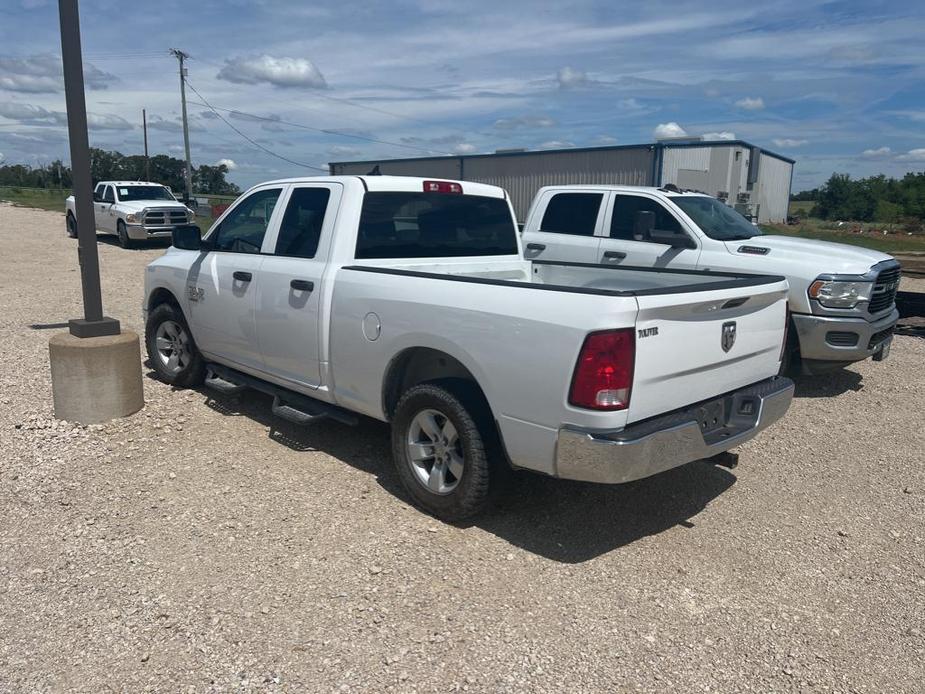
(132, 210)
(841, 298)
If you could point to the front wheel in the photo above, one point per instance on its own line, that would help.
(442, 455)
(171, 348)
(124, 239)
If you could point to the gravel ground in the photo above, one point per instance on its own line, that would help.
(204, 545)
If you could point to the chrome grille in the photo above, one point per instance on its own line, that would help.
(164, 217)
(885, 287)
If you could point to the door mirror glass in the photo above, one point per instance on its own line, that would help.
(643, 224)
(187, 237)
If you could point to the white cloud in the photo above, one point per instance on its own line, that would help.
(464, 148)
(1, 157)
(789, 142)
(912, 155)
(751, 103)
(282, 72)
(227, 163)
(42, 74)
(570, 77)
(722, 135)
(604, 140)
(665, 130)
(556, 144)
(344, 151)
(878, 153)
(630, 104)
(525, 122)
(28, 114)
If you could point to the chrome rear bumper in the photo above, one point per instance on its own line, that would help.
(667, 441)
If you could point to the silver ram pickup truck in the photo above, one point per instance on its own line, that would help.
(409, 301)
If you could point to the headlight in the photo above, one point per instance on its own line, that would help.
(135, 217)
(839, 294)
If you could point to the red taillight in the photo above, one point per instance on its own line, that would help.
(603, 375)
(442, 187)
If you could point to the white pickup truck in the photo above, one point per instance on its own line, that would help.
(132, 210)
(841, 299)
(409, 301)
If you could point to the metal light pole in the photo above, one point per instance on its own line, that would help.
(144, 125)
(181, 56)
(94, 323)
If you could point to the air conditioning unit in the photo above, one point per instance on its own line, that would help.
(743, 197)
(722, 194)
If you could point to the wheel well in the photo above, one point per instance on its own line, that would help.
(421, 365)
(162, 296)
(70, 213)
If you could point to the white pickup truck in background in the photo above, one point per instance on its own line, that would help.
(133, 211)
(841, 299)
(409, 301)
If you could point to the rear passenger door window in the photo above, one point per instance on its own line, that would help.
(300, 230)
(242, 231)
(625, 208)
(574, 214)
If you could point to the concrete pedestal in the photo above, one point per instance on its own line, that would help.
(95, 379)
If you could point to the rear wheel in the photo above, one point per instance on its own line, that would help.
(71, 226)
(171, 348)
(443, 456)
(124, 239)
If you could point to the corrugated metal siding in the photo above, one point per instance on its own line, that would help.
(438, 168)
(773, 189)
(523, 176)
(706, 169)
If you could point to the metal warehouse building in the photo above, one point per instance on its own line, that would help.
(753, 180)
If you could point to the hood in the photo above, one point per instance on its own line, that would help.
(788, 252)
(138, 205)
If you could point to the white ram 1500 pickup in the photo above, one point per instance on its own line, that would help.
(132, 210)
(841, 299)
(408, 300)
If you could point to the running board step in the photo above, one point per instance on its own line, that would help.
(287, 404)
(222, 385)
(294, 415)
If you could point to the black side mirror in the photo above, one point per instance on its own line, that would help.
(671, 238)
(187, 237)
(643, 224)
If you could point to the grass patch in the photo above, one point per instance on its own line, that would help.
(898, 242)
(801, 208)
(35, 197)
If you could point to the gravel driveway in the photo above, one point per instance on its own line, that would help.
(203, 544)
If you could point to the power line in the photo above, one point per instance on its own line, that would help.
(335, 133)
(253, 142)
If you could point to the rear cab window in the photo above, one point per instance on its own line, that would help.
(574, 214)
(434, 225)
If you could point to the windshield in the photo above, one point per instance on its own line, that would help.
(718, 221)
(430, 225)
(133, 193)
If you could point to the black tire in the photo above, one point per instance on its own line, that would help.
(122, 232)
(192, 373)
(477, 442)
(71, 226)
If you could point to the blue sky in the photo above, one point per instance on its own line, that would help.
(838, 86)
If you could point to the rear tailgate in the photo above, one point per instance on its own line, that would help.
(695, 345)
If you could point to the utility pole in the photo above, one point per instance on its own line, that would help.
(144, 125)
(94, 323)
(181, 56)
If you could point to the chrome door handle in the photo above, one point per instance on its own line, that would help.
(302, 285)
(242, 276)
(617, 255)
